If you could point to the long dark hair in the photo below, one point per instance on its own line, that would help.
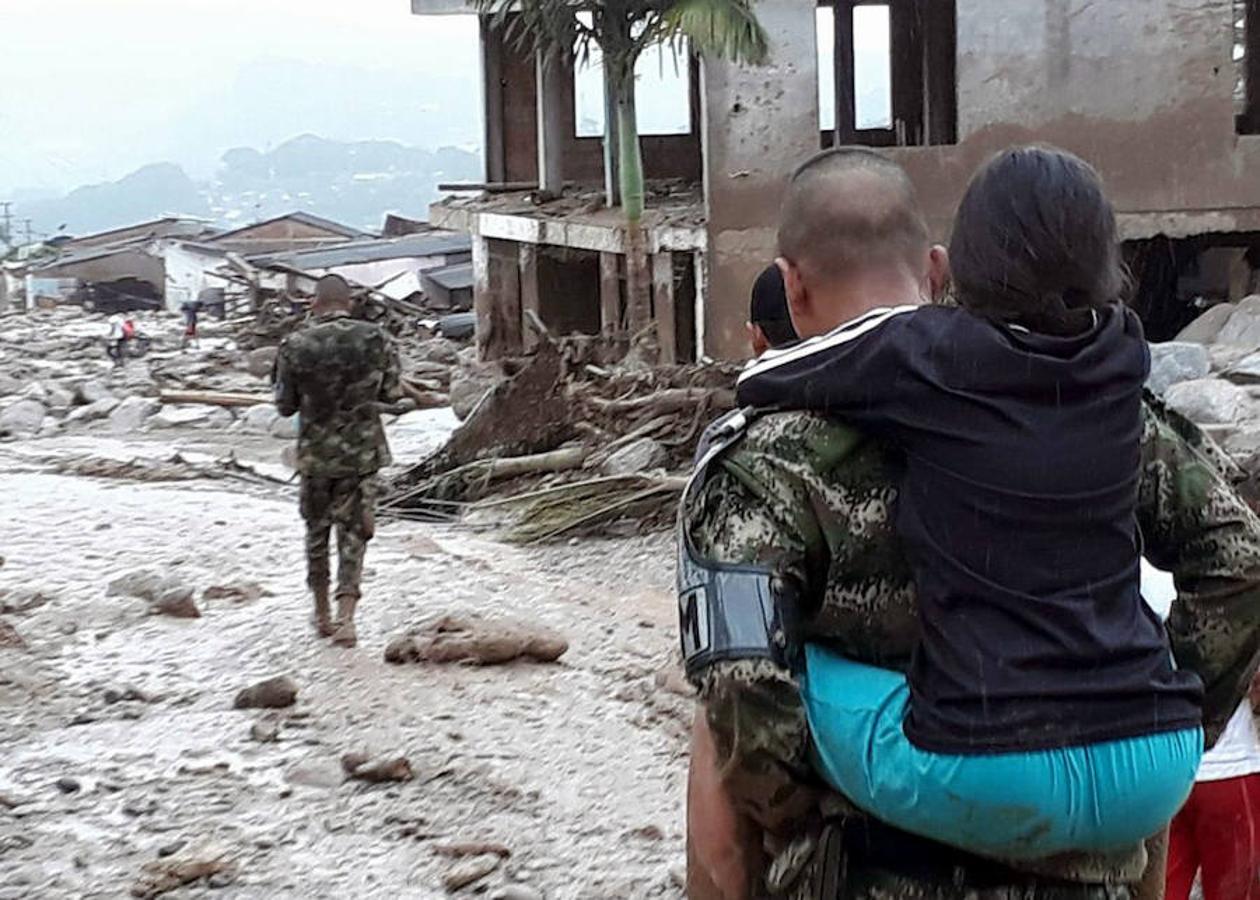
(1035, 242)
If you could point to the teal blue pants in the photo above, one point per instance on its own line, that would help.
(1025, 805)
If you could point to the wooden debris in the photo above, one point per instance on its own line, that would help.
(214, 398)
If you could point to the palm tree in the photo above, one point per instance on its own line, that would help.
(621, 30)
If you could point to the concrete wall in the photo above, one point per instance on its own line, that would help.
(1143, 90)
(188, 273)
(759, 124)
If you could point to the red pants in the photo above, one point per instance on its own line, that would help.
(1217, 831)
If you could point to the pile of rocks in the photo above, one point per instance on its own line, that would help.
(1211, 374)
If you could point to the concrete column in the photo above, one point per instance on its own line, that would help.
(551, 124)
(757, 126)
(528, 265)
(610, 293)
(664, 308)
(496, 297)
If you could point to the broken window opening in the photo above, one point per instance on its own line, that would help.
(887, 72)
(662, 93)
(1246, 59)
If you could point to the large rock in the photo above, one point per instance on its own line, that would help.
(1243, 327)
(1177, 361)
(93, 391)
(58, 397)
(132, 413)
(99, 409)
(637, 457)
(196, 414)
(259, 362)
(22, 417)
(1210, 401)
(36, 391)
(1206, 327)
(285, 427)
(437, 350)
(273, 693)
(469, 383)
(9, 385)
(259, 419)
(146, 584)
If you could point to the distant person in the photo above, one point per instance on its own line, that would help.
(121, 330)
(191, 310)
(769, 324)
(337, 373)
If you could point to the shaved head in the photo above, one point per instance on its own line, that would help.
(847, 209)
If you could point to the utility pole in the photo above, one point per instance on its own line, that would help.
(28, 231)
(7, 233)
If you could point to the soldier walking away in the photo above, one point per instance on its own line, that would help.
(338, 374)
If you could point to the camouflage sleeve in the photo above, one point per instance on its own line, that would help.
(285, 386)
(753, 706)
(391, 383)
(1196, 526)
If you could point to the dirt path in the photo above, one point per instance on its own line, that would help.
(576, 768)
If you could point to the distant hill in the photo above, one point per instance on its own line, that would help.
(351, 182)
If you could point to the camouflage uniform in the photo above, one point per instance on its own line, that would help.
(336, 373)
(812, 499)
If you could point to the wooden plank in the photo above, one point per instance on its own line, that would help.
(492, 90)
(664, 307)
(214, 398)
(528, 266)
(610, 293)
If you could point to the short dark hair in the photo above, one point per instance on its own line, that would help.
(333, 281)
(769, 308)
(1035, 242)
(848, 207)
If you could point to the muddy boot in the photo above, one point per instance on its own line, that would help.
(321, 617)
(346, 636)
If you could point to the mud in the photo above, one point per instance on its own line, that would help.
(572, 773)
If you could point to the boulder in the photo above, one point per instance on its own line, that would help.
(147, 584)
(1177, 361)
(637, 457)
(259, 362)
(1243, 327)
(437, 350)
(100, 409)
(36, 391)
(273, 693)
(196, 414)
(177, 603)
(285, 427)
(22, 417)
(59, 397)
(9, 385)
(1206, 327)
(259, 419)
(1210, 401)
(93, 391)
(132, 413)
(469, 383)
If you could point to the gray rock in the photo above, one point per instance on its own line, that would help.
(259, 362)
(517, 892)
(178, 603)
(99, 409)
(58, 396)
(22, 417)
(93, 391)
(285, 427)
(259, 419)
(642, 455)
(1243, 327)
(132, 413)
(189, 415)
(272, 693)
(9, 384)
(1210, 401)
(438, 350)
(1206, 327)
(469, 383)
(36, 391)
(1177, 361)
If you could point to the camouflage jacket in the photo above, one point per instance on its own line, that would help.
(335, 373)
(812, 499)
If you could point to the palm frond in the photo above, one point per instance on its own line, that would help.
(727, 29)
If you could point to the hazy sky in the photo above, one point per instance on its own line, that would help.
(93, 87)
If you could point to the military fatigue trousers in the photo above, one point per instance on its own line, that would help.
(350, 505)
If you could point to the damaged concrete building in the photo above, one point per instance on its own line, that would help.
(1162, 96)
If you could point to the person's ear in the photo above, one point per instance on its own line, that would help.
(793, 285)
(757, 339)
(938, 273)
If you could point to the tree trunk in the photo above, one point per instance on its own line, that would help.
(612, 138)
(638, 272)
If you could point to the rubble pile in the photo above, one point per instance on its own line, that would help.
(557, 445)
(1210, 373)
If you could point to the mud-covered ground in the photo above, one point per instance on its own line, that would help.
(120, 747)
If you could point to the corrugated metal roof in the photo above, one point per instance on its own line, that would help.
(415, 245)
(452, 278)
(305, 218)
